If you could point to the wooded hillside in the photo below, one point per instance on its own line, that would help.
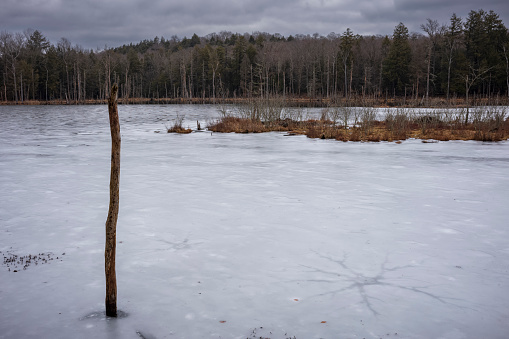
(468, 56)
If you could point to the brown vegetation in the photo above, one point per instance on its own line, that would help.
(363, 124)
(290, 101)
(177, 126)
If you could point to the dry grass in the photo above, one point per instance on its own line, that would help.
(230, 124)
(177, 127)
(180, 130)
(484, 124)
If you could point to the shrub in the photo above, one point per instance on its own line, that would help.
(177, 126)
(335, 122)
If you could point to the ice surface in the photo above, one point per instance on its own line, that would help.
(248, 236)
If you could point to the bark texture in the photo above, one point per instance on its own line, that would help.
(111, 221)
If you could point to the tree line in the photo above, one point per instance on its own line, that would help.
(466, 56)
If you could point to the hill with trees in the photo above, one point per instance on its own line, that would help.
(466, 56)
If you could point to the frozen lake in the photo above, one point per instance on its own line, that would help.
(248, 236)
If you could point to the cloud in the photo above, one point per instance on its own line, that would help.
(96, 23)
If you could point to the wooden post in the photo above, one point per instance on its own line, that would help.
(111, 221)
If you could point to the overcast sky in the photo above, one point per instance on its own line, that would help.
(99, 23)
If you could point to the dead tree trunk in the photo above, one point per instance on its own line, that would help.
(111, 222)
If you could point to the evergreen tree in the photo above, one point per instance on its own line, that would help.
(485, 37)
(239, 50)
(397, 63)
(195, 40)
(346, 45)
(37, 46)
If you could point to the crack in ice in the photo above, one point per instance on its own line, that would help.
(361, 282)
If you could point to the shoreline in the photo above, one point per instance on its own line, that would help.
(288, 101)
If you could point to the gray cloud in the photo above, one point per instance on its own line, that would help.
(96, 23)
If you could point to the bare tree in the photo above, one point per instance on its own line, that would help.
(214, 66)
(108, 65)
(470, 79)
(505, 48)
(11, 49)
(434, 31)
(452, 41)
(64, 48)
(331, 50)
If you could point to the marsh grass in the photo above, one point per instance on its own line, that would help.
(177, 126)
(346, 123)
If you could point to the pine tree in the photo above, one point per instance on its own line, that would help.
(396, 67)
(346, 45)
(485, 37)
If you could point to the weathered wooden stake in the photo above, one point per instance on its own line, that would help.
(111, 222)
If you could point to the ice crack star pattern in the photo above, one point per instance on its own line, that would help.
(361, 282)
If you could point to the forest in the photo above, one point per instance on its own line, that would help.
(461, 58)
